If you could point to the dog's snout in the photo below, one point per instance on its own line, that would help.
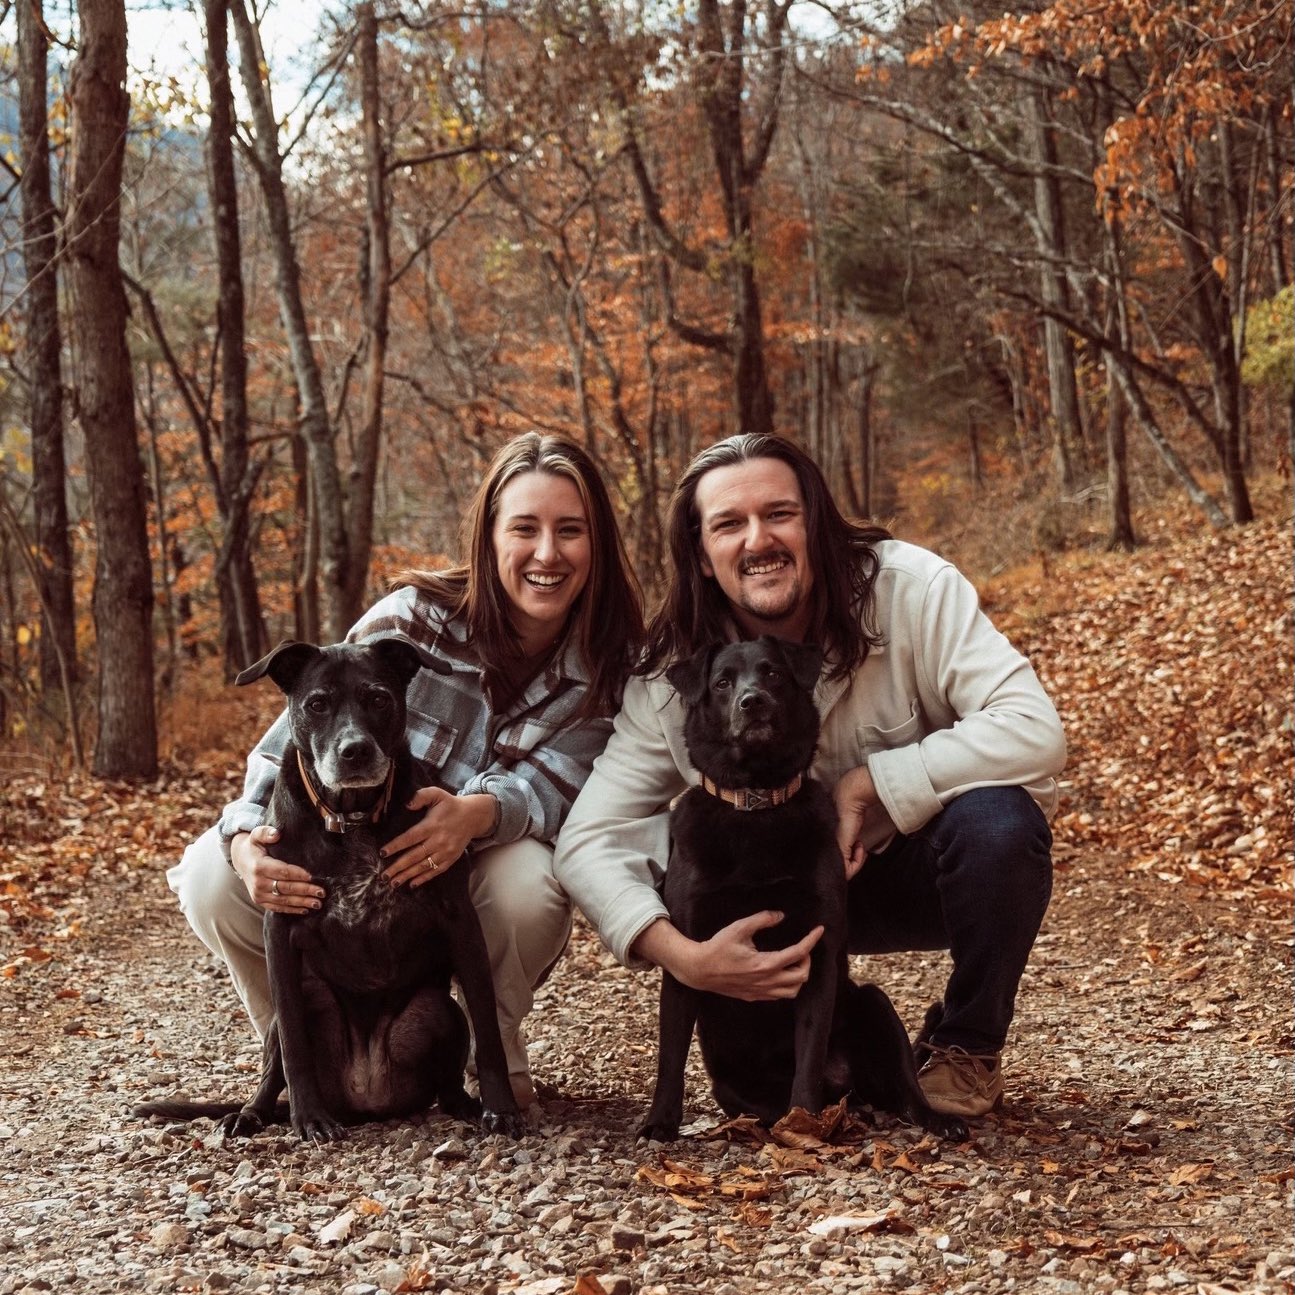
(355, 750)
(753, 700)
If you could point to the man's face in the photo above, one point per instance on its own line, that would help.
(754, 545)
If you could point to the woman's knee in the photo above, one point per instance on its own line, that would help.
(212, 898)
(515, 884)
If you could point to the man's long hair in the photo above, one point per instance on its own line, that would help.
(607, 617)
(695, 611)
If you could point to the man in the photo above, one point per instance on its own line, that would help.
(938, 741)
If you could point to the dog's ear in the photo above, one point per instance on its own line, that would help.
(405, 658)
(284, 665)
(688, 678)
(805, 660)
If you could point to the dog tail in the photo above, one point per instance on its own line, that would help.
(171, 1110)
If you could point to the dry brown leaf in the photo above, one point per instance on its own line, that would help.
(369, 1208)
(1084, 1244)
(1190, 1173)
(753, 1215)
(588, 1284)
(790, 1160)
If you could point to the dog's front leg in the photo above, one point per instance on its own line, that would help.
(260, 1110)
(499, 1113)
(678, 1017)
(310, 1118)
(815, 1005)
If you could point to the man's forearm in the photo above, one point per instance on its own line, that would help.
(664, 945)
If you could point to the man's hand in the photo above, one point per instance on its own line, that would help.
(272, 884)
(729, 963)
(856, 796)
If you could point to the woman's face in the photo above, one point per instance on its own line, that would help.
(543, 553)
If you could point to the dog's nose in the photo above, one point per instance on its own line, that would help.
(751, 699)
(355, 750)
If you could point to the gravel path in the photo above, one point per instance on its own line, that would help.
(1145, 1143)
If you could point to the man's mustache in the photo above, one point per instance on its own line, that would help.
(780, 555)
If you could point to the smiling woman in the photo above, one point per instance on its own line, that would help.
(535, 634)
(542, 555)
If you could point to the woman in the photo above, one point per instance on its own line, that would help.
(540, 627)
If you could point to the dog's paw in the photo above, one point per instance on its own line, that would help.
(659, 1131)
(952, 1128)
(512, 1124)
(246, 1123)
(319, 1127)
(460, 1106)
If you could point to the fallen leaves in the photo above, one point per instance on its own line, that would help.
(1168, 669)
(692, 1188)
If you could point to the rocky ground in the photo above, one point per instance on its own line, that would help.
(1145, 1143)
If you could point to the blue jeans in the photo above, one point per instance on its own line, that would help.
(975, 880)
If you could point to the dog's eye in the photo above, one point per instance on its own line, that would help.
(722, 684)
(773, 675)
(380, 700)
(317, 705)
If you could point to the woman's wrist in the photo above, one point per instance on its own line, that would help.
(483, 814)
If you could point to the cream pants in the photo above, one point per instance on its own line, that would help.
(525, 917)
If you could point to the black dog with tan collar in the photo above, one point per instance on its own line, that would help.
(365, 1027)
(759, 833)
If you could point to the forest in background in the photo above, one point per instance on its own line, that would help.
(1007, 275)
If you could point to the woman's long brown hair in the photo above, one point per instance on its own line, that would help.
(607, 617)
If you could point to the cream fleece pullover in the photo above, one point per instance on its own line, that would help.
(944, 706)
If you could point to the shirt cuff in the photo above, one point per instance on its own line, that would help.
(903, 787)
(634, 912)
(512, 819)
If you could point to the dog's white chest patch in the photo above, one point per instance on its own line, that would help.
(363, 894)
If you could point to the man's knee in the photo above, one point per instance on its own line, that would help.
(996, 840)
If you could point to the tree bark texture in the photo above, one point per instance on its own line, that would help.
(377, 309)
(123, 593)
(242, 627)
(316, 426)
(44, 347)
(1058, 348)
(724, 92)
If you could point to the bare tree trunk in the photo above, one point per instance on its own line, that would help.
(316, 426)
(377, 304)
(867, 436)
(1121, 534)
(39, 243)
(242, 627)
(725, 90)
(305, 583)
(123, 594)
(1122, 345)
(165, 582)
(1060, 352)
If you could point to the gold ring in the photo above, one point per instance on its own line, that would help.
(274, 887)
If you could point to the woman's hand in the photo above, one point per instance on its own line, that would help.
(274, 885)
(437, 841)
(729, 963)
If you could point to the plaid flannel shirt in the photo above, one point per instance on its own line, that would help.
(531, 759)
